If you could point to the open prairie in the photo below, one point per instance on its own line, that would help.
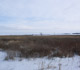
(39, 46)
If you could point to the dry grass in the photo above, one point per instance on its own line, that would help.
(39, 46)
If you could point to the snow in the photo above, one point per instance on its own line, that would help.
(56, 63)
(2, 55)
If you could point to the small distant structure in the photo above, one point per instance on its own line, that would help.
(41, 34)
(76, 33)
(66, 33)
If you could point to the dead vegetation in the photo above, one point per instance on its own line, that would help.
(39, 46)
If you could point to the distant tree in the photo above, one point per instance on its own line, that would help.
(41, 34)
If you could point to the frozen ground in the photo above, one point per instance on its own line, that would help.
(40, 63)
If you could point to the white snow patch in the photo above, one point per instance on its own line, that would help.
(72, 63)
(2, 55)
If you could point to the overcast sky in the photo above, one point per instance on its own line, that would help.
(36, 16)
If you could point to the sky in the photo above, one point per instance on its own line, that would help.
(39, 16)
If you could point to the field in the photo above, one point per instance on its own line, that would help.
(29, 52)
(68, 63)
(41, 46)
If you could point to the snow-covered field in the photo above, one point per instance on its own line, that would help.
(40, 63)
